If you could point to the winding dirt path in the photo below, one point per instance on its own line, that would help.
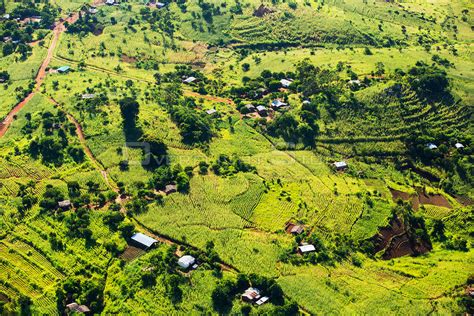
(41, 74)
(80, 134)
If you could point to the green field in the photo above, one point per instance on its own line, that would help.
(393, 231)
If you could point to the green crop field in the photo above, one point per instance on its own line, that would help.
(130, 118)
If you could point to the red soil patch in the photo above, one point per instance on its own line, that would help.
(436, 199)
(420, 198)
(396, 241)
(4, 298)
(464, 200)
(128, 59)
(400, 195)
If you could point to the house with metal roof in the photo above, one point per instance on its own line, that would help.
(186, 261)
(189, 80)
(285, 83)
(262, 300)
(66, 204)
(250, 107)
(250, 295)
(306, 249)
(262, 111)
(340, 165)
(88, 96)
(211, 112)
(458, 145)
(143, 241)
(74, 307)
(431, 146)
(170, 188)
(63, 69)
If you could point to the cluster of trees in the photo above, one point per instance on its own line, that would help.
(50, 199)
(84, 290)
(4, 76)
(166, 174)
(293, 130)
(28, 197)
(255, 89)
(226, 166)
(17, 38)
(336, 249)
(227, 291)
(53, 146)
(195, 127)
(430, 83)
(92, 105)
(47, 13)
(160, 20)
(87, 23)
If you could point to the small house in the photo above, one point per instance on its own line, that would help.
(285, 83)
(88, 96)
(143, 241)
(74, 307)
(306, 249)
(262, 111)
(6, 16)
(431, 146)
(160, 5)
(306, 102)
(296, 229)
(250, 295)
(63, 69)
(262, 301)
(470, 291)
(186, 262)
(354, 82)
(109, 2)
(92, 10)
(277, 104)
(211, 112)
(249, 107)
(340, 165)
(189, 80)
(65, 205)
(170, 188)
(459, 146)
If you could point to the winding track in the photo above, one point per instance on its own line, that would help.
(41, 74)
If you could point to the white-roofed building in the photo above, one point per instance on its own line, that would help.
(262, 300)
(262, 110)
(306, 248)
(340, 165)
(211, 112)
(431, 146)
(276, 104)
(459, 145)
(189, 80)
(186, 261)
(285, 83)
(251, 294)
(143, 241)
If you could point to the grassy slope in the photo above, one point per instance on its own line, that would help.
(244, 221)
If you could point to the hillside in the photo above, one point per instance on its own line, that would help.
(320, 152)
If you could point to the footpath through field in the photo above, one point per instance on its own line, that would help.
(41, 74)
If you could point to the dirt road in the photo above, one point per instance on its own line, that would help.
(58, 29)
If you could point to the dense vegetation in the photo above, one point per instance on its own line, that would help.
(213, 127)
